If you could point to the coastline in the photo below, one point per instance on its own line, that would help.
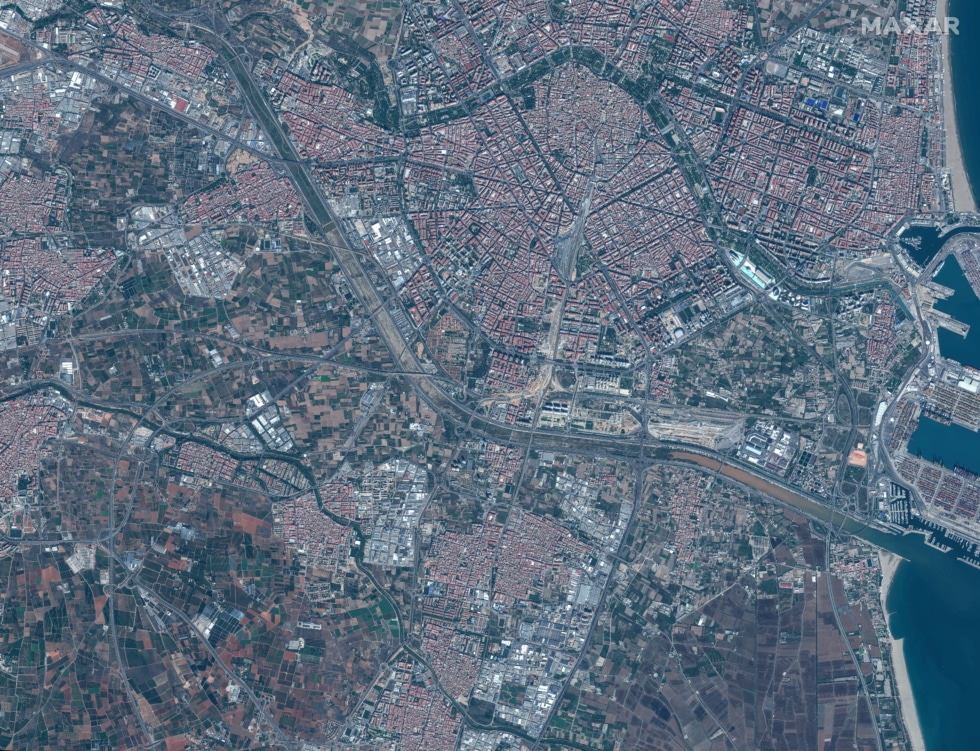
(963, 198)
(906, 700)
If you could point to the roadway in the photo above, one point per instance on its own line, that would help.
(427, 386)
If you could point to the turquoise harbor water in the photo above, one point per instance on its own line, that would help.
(934, 602)
(949, 445)
(934, 599)
(963, 306)
(922, 243)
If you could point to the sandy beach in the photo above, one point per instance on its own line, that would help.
(963, 199)
(889, 564)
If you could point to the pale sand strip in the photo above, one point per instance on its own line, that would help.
(889, 564)
(963, 199)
